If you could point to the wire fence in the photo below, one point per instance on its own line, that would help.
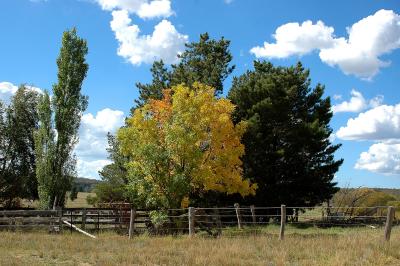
(209, 221)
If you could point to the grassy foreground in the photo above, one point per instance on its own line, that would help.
(336, 247)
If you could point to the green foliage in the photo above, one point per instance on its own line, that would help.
(45, 149)
(114, 176)
(92, 200)
(18, 121)
(158, 218)
(183, 145)
(288, 151)
(206, 61)
(73, 195)
(67, 104)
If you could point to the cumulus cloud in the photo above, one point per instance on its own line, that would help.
(381, 123)
(359, 54)
(7, 91)
(296, 39)
(383, 158)
(91, 149)
(337, 96)
(368, 39)
(357, 103)
(90, 169)
(143, 8)
(164, 43)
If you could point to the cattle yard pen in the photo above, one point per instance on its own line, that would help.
(216, 221)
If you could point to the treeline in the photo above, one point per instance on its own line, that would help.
(266, 143)
(366, 197)
(38, 133)
(184, 144)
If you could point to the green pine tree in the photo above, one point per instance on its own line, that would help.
(206, 61)
(288, 152)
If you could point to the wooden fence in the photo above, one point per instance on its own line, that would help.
(191, 220)
(30, 219)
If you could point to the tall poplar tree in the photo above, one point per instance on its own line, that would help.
(57, 139)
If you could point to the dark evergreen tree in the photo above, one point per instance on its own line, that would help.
(288, 151)
(206, 61)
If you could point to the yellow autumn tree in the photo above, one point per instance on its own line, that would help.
(184, 144)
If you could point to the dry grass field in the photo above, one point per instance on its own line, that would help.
(79, 202)
(362, 246)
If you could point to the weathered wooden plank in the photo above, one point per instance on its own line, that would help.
(389, 222)
(79, 230)
(132, 222)
(283, 222)
(19, 213)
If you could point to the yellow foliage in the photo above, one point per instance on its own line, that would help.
(185, 143)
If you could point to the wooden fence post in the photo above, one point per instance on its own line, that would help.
(98, 221)
(239, 218)
(70, 228)
(389, 221)
(283, 221)
(191, 221)
(132, 222)
(60, 215)
(253, 214)
(218, 220)
(83, 224)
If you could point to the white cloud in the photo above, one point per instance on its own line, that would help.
(164, 43)
(376, 101)
(143, 8)
(91, 149)
(381, 123)
(160, 8)
(383, 158)
(359, 54)
(228, 1)
(7, 90)
(337, 96)
(296, 39)
(369, 38)
(357, 103)
(90, 169)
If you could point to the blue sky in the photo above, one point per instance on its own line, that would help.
(353, 50)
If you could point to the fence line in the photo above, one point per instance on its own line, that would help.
(212, 221)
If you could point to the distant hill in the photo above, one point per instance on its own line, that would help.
(86, 184)
(393, 191)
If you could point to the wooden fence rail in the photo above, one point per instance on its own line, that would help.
(191, 220)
